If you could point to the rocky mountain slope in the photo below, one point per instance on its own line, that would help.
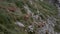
(29, 17)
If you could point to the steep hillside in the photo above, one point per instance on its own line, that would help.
(16, 17)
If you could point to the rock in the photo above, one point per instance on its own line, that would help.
(31, 28)
(19, 24)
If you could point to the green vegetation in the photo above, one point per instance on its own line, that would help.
(13, 10)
